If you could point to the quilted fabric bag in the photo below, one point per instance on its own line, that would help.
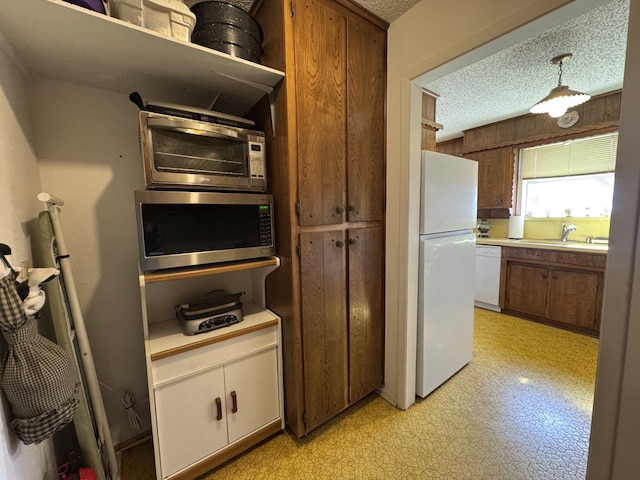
(37, 375)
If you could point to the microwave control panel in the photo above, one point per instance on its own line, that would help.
(265, 225)
(257, 161)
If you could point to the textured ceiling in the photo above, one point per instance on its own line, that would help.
(509, 82)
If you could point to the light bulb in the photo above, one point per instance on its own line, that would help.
(556, 111)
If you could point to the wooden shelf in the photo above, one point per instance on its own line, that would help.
(62, 41)
(213, 269)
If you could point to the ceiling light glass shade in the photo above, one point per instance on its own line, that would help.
(559, 100)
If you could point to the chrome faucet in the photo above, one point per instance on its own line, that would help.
(565, 231)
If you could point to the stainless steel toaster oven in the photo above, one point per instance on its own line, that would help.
(186, 153)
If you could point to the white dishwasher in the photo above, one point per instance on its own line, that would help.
(487, 284)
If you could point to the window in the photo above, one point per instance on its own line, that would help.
(573, 178)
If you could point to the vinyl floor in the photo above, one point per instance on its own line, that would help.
(520, 410)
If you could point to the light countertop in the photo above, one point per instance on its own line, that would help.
(546, 245)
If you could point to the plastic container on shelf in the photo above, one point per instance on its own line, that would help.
(168, 17)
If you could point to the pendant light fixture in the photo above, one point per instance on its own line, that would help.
(561, 97)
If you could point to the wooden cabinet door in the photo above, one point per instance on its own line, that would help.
(187, 415)
(573, 297)
(366, 79)
(366, 311)
(252, 393)
(324, 325)
(495, 177)
(526, 289)
(320, 75)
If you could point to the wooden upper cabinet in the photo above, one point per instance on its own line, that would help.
(366, 80)
(495, 177)
(341, 83)
(320, 50)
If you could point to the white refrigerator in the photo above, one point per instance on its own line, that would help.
(448, 209)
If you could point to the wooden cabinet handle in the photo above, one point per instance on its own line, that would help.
(234, 402)
(554, 276)
(543, 275)
(339, 210)
(339, 244)
(353, 208)
(219, 408)
(352, 241)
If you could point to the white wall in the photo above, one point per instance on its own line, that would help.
(19, 185)
(615, 433)
(429, 35)
(89, 156)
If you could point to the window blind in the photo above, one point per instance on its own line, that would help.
(574, 157)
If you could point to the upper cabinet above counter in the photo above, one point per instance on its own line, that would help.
(59, 40)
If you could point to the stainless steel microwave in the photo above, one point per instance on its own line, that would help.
(182, 229)
(187, 153)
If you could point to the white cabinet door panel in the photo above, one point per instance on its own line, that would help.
(254, 379)
(186, 412)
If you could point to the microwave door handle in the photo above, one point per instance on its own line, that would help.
(203, 129)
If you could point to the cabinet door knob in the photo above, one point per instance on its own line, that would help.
(339, 244)
(352, 241)
(353, 208)
(554, 276)
(543, 275)
(234, 402)
(219, 408)
(339, 210)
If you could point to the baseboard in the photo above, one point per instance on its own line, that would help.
(487, 306)
(133, 441)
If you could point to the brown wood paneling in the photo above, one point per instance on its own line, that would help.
(428, 138)
(555, 257)
(324, 326)
(321, 117)
(366, 55)
(428, 107)
(307, 137)
(366, 311)
(451, 147)
(593, 111)
(600, 113)
(283, 284)
(612, 108)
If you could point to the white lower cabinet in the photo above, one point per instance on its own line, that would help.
(201, 413)
(188, 429)
(215, 394)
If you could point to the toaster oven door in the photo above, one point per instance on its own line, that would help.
(200, 155)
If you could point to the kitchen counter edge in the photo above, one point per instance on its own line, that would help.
(540, 244)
